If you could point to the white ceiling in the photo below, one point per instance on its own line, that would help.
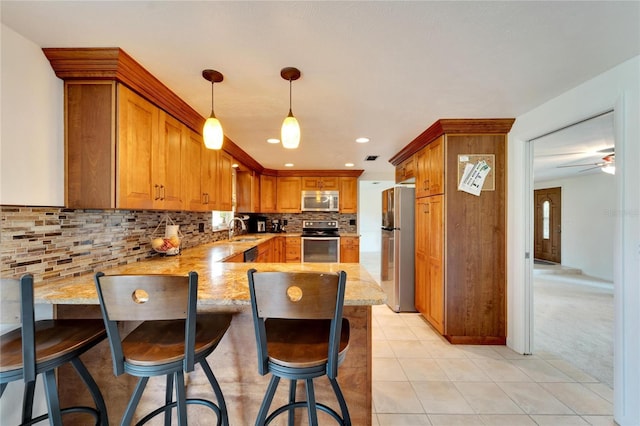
(384, 70)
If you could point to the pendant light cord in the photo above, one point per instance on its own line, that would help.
(290, 113)
(212, 114)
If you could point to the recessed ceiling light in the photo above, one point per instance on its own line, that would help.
(273, 140)
(348, 164)
(235, 165)
(362, 140)
(288, 164)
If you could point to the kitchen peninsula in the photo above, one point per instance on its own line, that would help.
(222, 287)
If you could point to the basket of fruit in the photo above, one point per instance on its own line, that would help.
(168, 242)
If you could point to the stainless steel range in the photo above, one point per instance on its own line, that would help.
(320, 241)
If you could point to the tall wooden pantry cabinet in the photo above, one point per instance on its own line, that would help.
(460, 272)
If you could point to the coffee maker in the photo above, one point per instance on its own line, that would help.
(258, 224)
(275, 226)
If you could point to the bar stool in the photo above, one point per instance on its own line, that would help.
(300, 335)
(169, 341)
(39, 347)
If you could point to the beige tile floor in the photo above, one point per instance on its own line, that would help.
(420, 379)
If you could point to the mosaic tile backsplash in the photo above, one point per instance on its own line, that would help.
(54, 242)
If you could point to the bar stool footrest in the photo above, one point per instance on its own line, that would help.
(197, 401)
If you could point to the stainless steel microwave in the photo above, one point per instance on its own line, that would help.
(320, 201)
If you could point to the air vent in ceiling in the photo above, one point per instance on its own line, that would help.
(371, 157)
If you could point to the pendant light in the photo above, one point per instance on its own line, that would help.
(212, 131)
(290, 133)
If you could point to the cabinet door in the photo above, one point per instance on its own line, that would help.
(137, 134)
(292, 249)
(167, 163)
(421, 266)
(288, 194)
(349, 250)
(422, 176)
(191, 172)
(348, 195)
(209, 176)
(435, 259)
(320, 183)
(247, 192)
(225, 185)
(268, 192)
(435, 166)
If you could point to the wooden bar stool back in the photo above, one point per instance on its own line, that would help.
(171, 339)
(300, 335)
(39, 347)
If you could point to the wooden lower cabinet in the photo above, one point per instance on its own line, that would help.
(292, 249)
(349, 249)
(238, 258)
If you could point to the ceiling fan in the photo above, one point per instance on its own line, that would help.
(608, 164)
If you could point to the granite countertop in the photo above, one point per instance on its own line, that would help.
(219, 283)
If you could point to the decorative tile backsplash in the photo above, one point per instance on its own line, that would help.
(54, 242)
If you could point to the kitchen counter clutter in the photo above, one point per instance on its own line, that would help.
(222, 286)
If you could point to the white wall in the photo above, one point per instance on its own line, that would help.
(32, 135)
(587, 222)
(370, 213)
(618, 89)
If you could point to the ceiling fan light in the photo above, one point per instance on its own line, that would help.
(212, 133)
(290, 133)
(610, 169)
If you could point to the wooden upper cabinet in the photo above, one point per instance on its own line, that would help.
(312, 183)
(268, 193)
(194, 168)
(288, 194)
(247, 192)
(348, 195)
(225, 181)
(121, 150)
(137, 135)
(429, 169)
(405, 171)
(169, 160)
(90, 144)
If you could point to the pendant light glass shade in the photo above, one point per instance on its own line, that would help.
(212, 131)
(290, 132)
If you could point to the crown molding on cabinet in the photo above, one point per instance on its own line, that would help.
(113, 63)
(453, 126)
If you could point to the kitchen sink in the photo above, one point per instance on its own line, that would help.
(245, 239)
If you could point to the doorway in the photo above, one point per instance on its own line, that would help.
(547, 226)
(572, 299)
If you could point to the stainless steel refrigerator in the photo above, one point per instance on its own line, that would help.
(397, 258)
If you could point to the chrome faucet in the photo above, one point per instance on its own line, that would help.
(231, 227)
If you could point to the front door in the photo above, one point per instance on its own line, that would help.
(547, 224)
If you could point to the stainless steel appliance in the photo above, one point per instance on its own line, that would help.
(320, 241)
(320, 201)
(397, 258)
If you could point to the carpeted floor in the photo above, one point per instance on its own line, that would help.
(574, 320)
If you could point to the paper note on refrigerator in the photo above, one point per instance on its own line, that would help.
(473, 177)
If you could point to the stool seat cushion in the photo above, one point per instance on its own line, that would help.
(154, 343)
(55, 339)
(289, 347)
